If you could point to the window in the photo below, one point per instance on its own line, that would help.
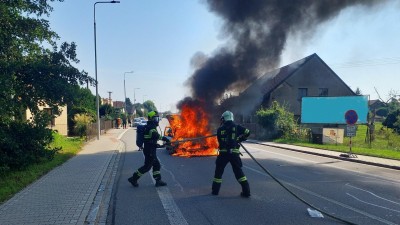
(303, 92)
(323, 92)
(49, 111)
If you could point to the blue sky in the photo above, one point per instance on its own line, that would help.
(157, 39)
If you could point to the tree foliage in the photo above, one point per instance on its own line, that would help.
(277, 120)
(149, 105)
(34, 71)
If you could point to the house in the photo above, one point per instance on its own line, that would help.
(119, 106)
(374, 106)
(310, 76)
(58, 123)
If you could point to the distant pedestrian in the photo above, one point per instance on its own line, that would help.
(116, 123)
(229, 136)
(151, 136)
(119, 122)
(124, 122)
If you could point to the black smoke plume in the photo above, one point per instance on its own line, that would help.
(257, 31)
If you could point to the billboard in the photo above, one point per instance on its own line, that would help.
(332, 110)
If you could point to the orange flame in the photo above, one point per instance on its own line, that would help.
(192, 123)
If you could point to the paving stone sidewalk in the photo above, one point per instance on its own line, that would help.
(66, 194)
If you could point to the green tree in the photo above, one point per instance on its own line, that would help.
(107, 111)
(34, 71)
(149, 105)
(129, 105)
(277, 120)
(83, 102)
(30, 73)
(393, 121)
(358, 91)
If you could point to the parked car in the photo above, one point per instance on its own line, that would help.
(136, 122)
(143, 122)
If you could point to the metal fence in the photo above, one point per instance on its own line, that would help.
(91, 131)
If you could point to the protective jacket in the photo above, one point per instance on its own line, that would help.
(151, 136)
(229, 136)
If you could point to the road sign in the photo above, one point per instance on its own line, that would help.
(350, 130)
(351, 117)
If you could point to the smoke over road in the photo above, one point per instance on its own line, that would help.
(256, 33)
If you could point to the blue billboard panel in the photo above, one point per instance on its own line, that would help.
(333, 109)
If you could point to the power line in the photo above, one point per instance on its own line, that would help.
(368, 63)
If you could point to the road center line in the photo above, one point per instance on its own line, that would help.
(174, 214)
(172, 210)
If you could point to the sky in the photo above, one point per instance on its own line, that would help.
(156, 39)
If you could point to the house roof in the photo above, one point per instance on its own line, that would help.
(271, 80)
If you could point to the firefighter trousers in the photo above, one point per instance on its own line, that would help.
(150, 161)
(222, 160)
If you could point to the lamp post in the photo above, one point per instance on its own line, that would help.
(125, 91)
(95, 68)
(134, 98)
(143, 98)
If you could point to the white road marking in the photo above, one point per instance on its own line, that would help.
(368, 203)
(369, 192)
(330, 200)
(357, 173)
(173, 212)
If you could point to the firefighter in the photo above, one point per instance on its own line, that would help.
(229, 136)
(151, 136)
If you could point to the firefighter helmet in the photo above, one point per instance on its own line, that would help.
(153, 116)
(227, 116)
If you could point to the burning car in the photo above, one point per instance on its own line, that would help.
(190, 134)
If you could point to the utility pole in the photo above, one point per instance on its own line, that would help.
(109, 98)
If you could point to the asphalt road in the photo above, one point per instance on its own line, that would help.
(357, 193)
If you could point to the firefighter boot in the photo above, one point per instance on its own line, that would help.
(215, 188)
(160, 183)
(133, 179)
(245, 189)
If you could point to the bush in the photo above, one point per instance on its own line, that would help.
(81, 124)
(23, 144)
(393, 121)
(278, 121)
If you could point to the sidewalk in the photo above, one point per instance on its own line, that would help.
(71, 193)
(381, 162)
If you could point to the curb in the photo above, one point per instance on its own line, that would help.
(98, 210)
(329, 156)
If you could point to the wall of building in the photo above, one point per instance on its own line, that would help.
(313, 76)
(59, 123)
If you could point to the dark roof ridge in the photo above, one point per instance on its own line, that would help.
(279, 78)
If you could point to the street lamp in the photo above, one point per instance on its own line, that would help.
(125, 91)
(134, 98)
(143, 98)
(95, 69)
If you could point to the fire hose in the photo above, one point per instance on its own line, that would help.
(193, 139)
(275, 179)
(292, 193)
